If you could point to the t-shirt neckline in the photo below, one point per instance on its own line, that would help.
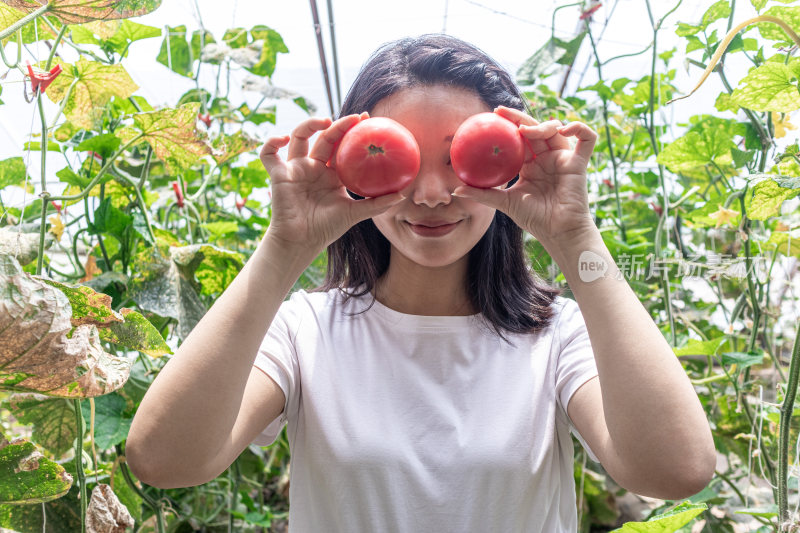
(417, 321)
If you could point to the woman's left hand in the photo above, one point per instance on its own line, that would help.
(550, 199)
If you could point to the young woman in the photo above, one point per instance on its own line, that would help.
(433, 383)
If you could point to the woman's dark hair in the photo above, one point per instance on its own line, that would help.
(510, 297)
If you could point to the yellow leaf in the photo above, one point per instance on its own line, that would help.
(88, 86)
(781, 125)
(57, 226)
(723, 215)
(105, 29)
(91, 269)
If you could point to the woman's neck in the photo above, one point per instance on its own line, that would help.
(413, 289)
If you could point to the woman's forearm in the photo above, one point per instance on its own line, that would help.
(652, 412)
(188, 413)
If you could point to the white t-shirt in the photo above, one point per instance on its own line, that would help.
(407, 423)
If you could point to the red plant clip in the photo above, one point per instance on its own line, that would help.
(657, 208)
(205, 119)
(57, 206)
(178, 193)
(40, 81)
(608, 183)
(240, 203)
(589, 12)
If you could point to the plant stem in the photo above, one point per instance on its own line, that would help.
(609, 142)
(33, 15)
(665, 197)
(785, 427)
(79, 461)
(85, 192)
(19, 52)
(44, 194)
(60, 36)
(150, 502)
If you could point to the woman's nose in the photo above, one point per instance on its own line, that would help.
(432, 187)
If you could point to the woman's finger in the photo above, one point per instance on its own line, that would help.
(370, 207)
(269, 152)
(325, 146)
(547, 133)
(298, 145)
(515, 115)
(586, 138)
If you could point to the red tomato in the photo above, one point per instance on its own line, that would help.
(377, 156)
(487, 150)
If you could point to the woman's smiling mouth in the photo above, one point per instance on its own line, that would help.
(432, 228)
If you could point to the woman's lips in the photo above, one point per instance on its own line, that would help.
(432, 229)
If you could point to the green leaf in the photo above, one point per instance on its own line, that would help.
(66, 131)
(258, 116)
(220, 229)
(768, 196)
(228, 147)
(27, 476)
(173, 135)
(773, 32)
(743, 360)
(769, 512)
(758, 4)
(195, 95)
(88, 306)
(36, 146)
(12, 172)
(109, 219)
(214, 267)
(303, 104)
(80, 11)
(770, 87)
(539, 64)
(742, 158)
(53, 420)
(272, 46)
(693, 43)
(695, 347)
(637, 101)
(200, 38)
(130, 32)
(88, 87)
(709, 214)
(136, 333)
(235, 37)
(66, 175)
(787, 243)
(245, 179)
(602, 90)
(667, 522)
(111, 424)
(708, 141)
(725, 103)
(175, 53)
(80, 34)
(104, 145)
(718, 10)
(684, 29)
(158, 286)
(62, 515)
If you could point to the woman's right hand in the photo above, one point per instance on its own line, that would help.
(310, 206)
